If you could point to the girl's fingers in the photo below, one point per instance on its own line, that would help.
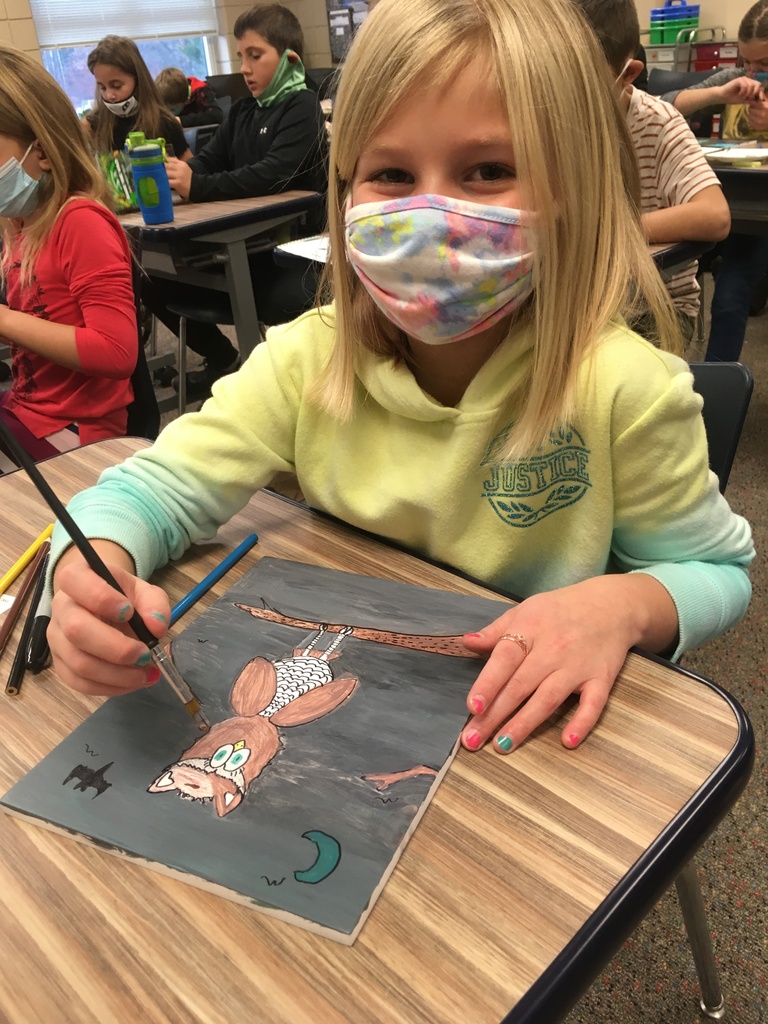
(505, 660)
(92, 675)
(85, 632)
(592, 701)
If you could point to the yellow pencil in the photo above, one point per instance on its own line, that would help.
(19, 565)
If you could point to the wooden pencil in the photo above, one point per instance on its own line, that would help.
(12, 615)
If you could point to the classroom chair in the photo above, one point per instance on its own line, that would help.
(143, 412)
(726, 389)
(207, 307)
(661, 81)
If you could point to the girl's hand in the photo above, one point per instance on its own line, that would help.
(741, 90)
(94, 650)
(757, 116)
(576, 639)
(179, 176)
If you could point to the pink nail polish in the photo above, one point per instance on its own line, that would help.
(153, 674)
(475, 636)
(478, 705)
(473, 740)
(573, 738)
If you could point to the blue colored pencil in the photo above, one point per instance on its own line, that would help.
(213, 577)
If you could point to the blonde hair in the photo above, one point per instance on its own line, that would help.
(172, 86)
(124, 54)
(34, 108)
(574, 158)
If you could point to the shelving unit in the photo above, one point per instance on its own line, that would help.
(696, 49)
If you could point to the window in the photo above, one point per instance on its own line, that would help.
(167, 32)
(68, 64)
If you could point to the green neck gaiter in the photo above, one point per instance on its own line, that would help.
(287, 79)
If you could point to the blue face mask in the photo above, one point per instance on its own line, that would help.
(18, 190)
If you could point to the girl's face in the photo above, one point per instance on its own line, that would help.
(754, 55)
(454, 141)
(258, 61)
(114, 85)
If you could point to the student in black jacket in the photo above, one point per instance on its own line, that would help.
(272, 141)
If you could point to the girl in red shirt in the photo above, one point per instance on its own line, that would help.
(66, 269)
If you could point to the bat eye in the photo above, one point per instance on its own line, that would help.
(221, 755)
(238, 759)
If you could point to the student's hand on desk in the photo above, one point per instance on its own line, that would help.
(741, 90)
(94, 650)
(577, 639)
(179, 176)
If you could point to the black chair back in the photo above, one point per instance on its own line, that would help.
(661, 81)
(143, 412)
(726, 389)
(232, 85)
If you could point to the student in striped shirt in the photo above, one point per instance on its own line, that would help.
(680, 196)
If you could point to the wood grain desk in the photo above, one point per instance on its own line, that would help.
(205, 238)
(525, 875)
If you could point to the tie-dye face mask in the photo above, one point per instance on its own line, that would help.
(441, 269)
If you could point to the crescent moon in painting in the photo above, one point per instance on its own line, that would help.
(328, 857)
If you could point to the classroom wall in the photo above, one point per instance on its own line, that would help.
(727, 13)
(16, 26)
(312, 14)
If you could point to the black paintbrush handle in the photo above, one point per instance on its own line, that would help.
(77, 536)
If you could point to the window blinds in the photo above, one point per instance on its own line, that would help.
(78, 22)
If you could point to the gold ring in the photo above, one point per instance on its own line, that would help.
(516, 638)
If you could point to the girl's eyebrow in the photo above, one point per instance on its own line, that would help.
(388, 150)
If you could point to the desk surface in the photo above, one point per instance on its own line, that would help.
(192, 218)
(525, 874)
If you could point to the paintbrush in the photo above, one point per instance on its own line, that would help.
(162, 661)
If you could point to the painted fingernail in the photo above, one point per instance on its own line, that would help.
(574, 739)
(153, 674)
(144, 659)
(477, 704)
(473, 740)
(159, 615)
(124, 612)
(475, 636)
(504, 743)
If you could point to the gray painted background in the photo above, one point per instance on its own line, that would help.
(408, 710)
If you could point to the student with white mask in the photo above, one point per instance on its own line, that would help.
(127, 100)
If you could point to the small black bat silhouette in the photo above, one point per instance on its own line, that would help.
(273, 881)
(90, 779)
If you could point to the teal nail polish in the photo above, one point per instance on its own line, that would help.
(158, 615)
(504, 743)
(124, 612)
(145, 659)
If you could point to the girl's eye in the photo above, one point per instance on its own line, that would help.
(392, 176)
(492, 172)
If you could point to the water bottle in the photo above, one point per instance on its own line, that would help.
(150, 178)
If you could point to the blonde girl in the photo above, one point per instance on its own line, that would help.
(127, 100)
(66, 271)
(473, 393)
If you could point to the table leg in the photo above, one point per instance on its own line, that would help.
(695, 917)
(240, 290)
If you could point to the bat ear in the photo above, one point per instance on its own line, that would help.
(317, 703)
(164, 784)
(254, 688)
